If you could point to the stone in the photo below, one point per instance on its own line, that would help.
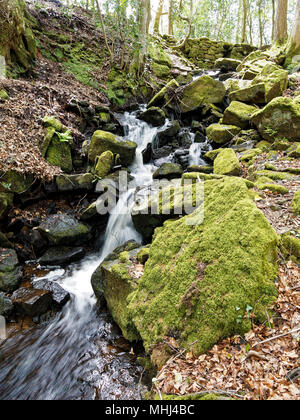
(168, 171)
(280, 118)
(16, 182)
(31, 302)
(222, 134)
(70, 183)
(158, 55)
(52, 122)
(63, 255)
(104, 164)
(59, 295)
(160, 70)
(154, 116)
(6, 203)
(63, 229)
(254, 94)
(204, 90)
(167, 135)
(6, 306)
(296, 203)
(164, 95)
(4, 242)
(103, 141)
(239, 114)
(227, 163)
(3, 95)
(200, 278)
(227, 64)
(290, 246)
(59, 154)
(10, 271)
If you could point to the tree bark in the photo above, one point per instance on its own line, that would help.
(170, 27)
(281, 33)
(296, 29)
(244, 25)
(17, 43)
(158, 16)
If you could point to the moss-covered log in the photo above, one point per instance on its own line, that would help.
(17, 43)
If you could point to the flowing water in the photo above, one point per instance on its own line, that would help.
(80, 353)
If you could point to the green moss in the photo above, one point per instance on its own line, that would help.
(16, 182)
(290, 247)
(296, 203)
(3, 95)
(47, 140)
(263, 145)
(164, 95)
(190, 397)
(227, 163)
(249, 156)
(160, 70)
(239, 114)
(275, 188)
(104, 164)
(59, 154)
(143, 255)
(198, 276)
(52, 122)
(222, 134)
(275, 176)
(211, 156)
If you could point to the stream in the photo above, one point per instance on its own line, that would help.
(80, 354)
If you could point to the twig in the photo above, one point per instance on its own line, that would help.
(277, 336)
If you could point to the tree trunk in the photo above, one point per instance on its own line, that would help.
(273, 19)
(260, 23)
(281, 33)
(237, 35)
(171, 29)
(244, 27)
(158, 16)
(296, 29)
(17, 43)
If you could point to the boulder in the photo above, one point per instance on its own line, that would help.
(59, 154)
(154, 116)
(52, 122)
(31, 302)
(252, 94)
(70, 183)
(164, 95)
(168, 171)
(16, 182)
(167, 135)
(10, 271)
(158, 55)
(161, 71)
(232, 85)
(222, 134)
(6, 306)
(227, 163)
(280, 118)
(103, 141)
(239, 114)
(59, 295)
(227, 64)
(62, 229)
(201, 278)
(104, 164)
(115, 279)
(62, 255)
(204, 90)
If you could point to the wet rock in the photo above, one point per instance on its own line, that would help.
(185, 138)
(204, 169)
(154, 116)
(239, 114)
(62, 229)
(38, 242)
(10, 271)
(147, 153)
(227, 163)
(221, 133)
(70, 183)
(104, 164)
(59, 295)
(167, 135)
(227, 64)
(103, 141)
(226, 76)
(62, 256)
(163, 96)
(6, 306)
(168, 171)
(16, 182)
(31, 302)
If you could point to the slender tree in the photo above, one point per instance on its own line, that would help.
(280, 31)
(170, 18)
(296, 29)
(244, 24)
(158, 16)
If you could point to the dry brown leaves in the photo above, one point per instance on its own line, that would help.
(247, 367)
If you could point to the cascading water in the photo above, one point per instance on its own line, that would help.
(75, 355)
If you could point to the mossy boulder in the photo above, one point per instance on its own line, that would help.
(296, 203)
(239, 114)
(221, 133)
(164, 96)
(104, 164)
(80, 182)
(115, 280)
(168, 171)
(52, 122)
(227, 64)
(290, 246)
(143, 255)
(103, 141)
(294, 151)
(16, 182)
(232, 85)
(6, 203)
(158, 55)
(63, 229)
(59, 154)
(227, 163)
(200, 278)
(10, 271)
(160, 70)
(154, 116)
(6, 306)
(279, 119)
(254, 94)
(202, 91)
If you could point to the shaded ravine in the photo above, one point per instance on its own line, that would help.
(80, 354)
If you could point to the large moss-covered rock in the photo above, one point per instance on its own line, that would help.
(157, 54)
(59, 154)
(227, 64)
(227, 163)
(290, 246)
(200, 279)
(164, 95)
(280, 118)
(254, 94)
(221, 133)
(103, 141)
(80, 182)
(16, 182)
(168, 171)
(10, 271)
(204, 90)
(6, 203)
(115, 279)
(104, 164)
(296, 202)
(63, 229)
(239, 114)
(161, 70)
(154, 116)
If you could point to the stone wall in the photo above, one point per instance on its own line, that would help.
(203, 52)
